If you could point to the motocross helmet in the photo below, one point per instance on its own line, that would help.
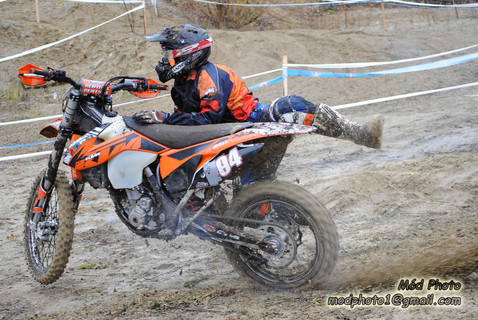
(184, 48)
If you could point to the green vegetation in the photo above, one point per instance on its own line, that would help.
(18, 102)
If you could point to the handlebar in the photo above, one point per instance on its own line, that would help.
(133, 84)
(138, 84)
(55, 75)
(122, 86)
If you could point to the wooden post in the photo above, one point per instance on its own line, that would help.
(383, 15)
(144, 18)
(456, 11)
(284, 75)
(346, 20)
(38, 12)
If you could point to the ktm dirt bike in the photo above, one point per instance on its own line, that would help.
(214, 181)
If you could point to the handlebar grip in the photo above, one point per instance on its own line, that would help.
(123, 86)
(48, 74)
(158, 87)
(138, 85)
(52, 74)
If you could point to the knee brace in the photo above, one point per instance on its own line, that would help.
(291, 108)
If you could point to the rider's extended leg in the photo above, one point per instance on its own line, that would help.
(331, 123)
(328, 122)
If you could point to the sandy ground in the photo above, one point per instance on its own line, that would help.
(407, 211)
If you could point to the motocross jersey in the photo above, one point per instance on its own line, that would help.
(211, 94)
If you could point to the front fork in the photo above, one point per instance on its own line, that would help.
(48, 180)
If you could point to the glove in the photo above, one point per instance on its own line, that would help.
(150, 116)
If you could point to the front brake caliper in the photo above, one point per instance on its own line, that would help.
(45, 229)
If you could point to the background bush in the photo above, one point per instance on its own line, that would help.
(235, 17)
(221, 16)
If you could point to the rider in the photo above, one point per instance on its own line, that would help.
(205, 93)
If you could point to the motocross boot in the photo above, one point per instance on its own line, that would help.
(332, 124)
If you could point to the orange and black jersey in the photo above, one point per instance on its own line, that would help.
(211, 94)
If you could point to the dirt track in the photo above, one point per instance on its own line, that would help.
(409, 210)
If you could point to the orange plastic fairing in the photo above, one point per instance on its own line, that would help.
(173, 158)
(91, 153)
(76, 174)
(37, 204)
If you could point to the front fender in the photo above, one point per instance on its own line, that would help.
(51, 130)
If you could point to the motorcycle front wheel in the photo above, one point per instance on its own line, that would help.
(48, 238)
(305, 239)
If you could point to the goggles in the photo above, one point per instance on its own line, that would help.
(170, 55)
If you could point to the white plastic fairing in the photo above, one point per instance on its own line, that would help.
(116, 127)
(126, 169)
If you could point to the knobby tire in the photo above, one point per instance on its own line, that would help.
(60, 204)
(309, 214)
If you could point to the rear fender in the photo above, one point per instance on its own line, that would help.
(224, 166)
(258, 131)
(197, 156)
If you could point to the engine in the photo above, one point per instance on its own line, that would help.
(141, 209)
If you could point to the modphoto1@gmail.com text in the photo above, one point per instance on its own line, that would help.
(432, 294)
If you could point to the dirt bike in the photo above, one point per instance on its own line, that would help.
(214, 181)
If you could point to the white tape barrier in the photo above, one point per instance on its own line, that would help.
(107, 1)
(68, 38)
(31, 120)
(343, 106)
(27, 155)
(261, 74)
(154, 4)
(285, 5)
(329, 3)
(415, 4)
(403, 96)
(373, 64)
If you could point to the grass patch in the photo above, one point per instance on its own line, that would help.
(18, 102)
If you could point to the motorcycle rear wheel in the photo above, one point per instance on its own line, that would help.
(303, 261)
(47, 249)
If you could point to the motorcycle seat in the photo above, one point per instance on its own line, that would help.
(178, 137)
